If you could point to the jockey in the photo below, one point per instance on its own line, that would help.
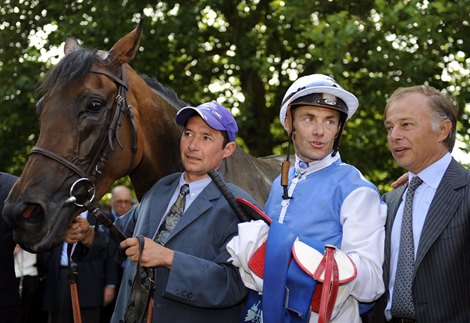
(321, 202)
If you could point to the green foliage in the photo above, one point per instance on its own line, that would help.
(252, 50)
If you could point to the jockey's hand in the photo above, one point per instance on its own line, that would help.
(80, 231)
(400, 181)
(153, 254)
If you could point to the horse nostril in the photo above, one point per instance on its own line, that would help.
(32, 213)
(29, 210)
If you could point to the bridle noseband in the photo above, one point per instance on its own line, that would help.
(108, 142)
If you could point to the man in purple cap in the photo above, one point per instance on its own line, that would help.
(186, 223)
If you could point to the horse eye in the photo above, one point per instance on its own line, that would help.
(95, 105)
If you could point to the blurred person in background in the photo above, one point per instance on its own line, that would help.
(121, 202)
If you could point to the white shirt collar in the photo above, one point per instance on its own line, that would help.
(195, 187)
(314, 165)
(432, 175)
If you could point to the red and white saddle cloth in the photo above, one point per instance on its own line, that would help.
(333, 270)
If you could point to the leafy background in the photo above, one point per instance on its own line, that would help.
(245, 54)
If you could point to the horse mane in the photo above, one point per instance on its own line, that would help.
(72, 67)
(77, 64)
(167, 93)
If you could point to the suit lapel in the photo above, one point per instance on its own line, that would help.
(393, 200)
(393, 203)
(157, 207)
(443, 207)
(200, 205)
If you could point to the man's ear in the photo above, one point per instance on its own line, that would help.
(444, 130)
(229, 149)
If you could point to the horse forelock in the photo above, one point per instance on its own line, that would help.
(73, 67)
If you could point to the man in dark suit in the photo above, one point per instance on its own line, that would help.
(195, 281)
(434, 284)
(93, 279)
(9, 294)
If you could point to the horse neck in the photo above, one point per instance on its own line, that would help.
(159, 136)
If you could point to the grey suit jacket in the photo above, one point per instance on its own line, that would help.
(441, 283)
(201, 286)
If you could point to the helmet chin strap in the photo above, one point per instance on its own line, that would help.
(285, 171)
(343, 119)
(337, 139)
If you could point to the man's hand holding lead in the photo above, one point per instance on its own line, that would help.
(153, 253)
(80, 231)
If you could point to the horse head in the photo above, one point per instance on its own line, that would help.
(88, 138)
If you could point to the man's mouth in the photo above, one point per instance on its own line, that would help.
(192, 157)
(399, 150)
(317, 144)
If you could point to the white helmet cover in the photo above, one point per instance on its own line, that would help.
(315, 83)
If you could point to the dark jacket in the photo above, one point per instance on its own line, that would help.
(441, 283)
(8, 284)
(92, 278)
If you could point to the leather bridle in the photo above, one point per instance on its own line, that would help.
(90, 175)
(120, 105)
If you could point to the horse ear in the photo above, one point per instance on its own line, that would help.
(126, 47)
(71, 44)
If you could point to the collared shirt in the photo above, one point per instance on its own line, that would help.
(195, 188)
(431, 176)
(301, 171)
(25, 264)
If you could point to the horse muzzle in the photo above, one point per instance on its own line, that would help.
(32, 229)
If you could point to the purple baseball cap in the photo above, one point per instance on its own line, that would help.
(214, 114)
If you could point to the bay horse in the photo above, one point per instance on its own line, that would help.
(100, 120)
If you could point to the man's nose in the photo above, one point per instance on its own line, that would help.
(194, 143)
(394, 133)
(318, 128)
